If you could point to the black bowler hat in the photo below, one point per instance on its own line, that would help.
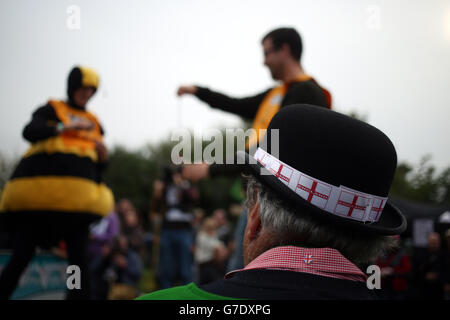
(338, 167)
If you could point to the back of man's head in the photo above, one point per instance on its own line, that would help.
(289, 226)
(288, 36)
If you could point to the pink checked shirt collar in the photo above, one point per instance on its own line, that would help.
(320, 261)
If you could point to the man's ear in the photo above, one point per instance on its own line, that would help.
(286, 49)
(253, 222)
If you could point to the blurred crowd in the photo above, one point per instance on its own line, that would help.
(194, 245)
(417, 273)
(120, 249)
(115, 250)
(179, 242)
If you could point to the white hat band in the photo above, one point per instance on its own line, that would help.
(340, 201)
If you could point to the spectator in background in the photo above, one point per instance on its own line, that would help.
(210, 252)
(395, 271)
(176, 242)
(199, 216)
(124, 270)
(102, 234)
(101, 240)
(131, 229)
(197, 223)
(122, 206)
(224, 234)
(116, 242)
(429, 270)
(155, 216)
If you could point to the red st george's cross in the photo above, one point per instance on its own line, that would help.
(278, 173)
(351, 205)
(312, 192)
(260, 159)
(377, 210)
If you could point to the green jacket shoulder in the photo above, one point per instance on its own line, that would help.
(187, 292)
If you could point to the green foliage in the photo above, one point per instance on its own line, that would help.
(6, 168)
(131, 174)
(423, 183)
(215, 193)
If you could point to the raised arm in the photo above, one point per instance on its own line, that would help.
(244, 107)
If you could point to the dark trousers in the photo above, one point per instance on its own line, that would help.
(175, 258)
(43, 230)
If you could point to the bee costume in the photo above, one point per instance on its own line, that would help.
(56, 190)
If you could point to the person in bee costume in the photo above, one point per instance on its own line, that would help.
(56, 191)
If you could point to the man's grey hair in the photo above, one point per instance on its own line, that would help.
(292, 226)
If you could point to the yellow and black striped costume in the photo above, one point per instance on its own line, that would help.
(60, 172)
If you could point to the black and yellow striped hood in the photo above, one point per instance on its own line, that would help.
(81, 77)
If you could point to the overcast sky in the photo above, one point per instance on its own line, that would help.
(387, 60)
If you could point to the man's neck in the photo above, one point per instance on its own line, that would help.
(263, 242)
(292, 72)
(71, 103)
